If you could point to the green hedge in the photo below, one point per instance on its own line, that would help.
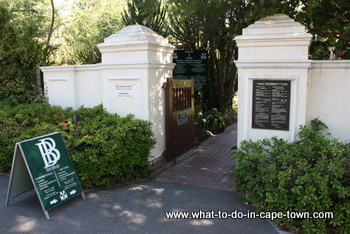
(309, 175)
(105, 148)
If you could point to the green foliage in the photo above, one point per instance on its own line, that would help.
(230, 116)
(199, 131)
(210, 25)
(20, 50)
(214, 121)
(149, 13)
(309, 175)
(85, 24)
(105, 148)
(328, 21)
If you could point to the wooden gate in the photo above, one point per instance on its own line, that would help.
(179, 117)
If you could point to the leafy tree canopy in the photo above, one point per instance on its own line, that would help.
(210, 25)
(85, 24)
(328, 20)
(22, 47)
(149, 13)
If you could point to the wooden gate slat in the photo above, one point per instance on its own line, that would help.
(179, 100)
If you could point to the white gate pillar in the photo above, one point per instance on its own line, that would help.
(135, 63)
(272, 59)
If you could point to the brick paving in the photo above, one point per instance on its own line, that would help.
(208, 165)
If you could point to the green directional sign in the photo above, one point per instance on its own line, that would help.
(50, 169)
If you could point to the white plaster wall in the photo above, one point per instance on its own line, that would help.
(156, 105)
(329, 96)
(298, 77)
(134, 55)
(274, 52)
(59, 85)
(58, 89)
(114, 74)
(148, 100)
(73, 86)
(87, 86)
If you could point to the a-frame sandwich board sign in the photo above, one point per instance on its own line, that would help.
(43, 163)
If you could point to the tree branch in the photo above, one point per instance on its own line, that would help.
(330, 35)
(52, 23)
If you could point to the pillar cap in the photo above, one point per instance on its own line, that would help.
(277, 37)
(278, 26)
(134, 34)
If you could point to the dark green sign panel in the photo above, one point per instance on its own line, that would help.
(182, 118)
(49, 166)
(191, 64)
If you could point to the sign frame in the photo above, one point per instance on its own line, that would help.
(271, 104)
(28, 172)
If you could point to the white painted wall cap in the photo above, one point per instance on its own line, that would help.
(278, 23)
(134, 34)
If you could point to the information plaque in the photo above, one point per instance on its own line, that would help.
(182, 118)
(191, 64)
(271, 104)
(43, 163)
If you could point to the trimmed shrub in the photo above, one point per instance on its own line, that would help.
(308, 175)
(105, 148)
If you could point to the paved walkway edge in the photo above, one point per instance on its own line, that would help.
(192, 152)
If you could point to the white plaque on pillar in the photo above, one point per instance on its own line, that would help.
(124, 90)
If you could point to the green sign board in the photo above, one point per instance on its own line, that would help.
(182, 118)
(191, 64)
(44, 163)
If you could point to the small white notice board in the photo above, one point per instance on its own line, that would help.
(124, 90)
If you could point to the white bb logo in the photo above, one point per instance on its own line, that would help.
(48, 152)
